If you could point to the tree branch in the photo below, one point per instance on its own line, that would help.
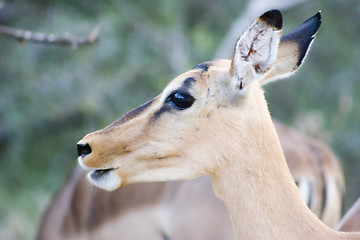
(37, 37)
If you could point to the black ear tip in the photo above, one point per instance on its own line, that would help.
(318, 17)
(273, 18)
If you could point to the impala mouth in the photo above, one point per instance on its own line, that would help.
(106, 179)
(100, 174)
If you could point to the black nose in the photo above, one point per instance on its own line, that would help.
(83, 149)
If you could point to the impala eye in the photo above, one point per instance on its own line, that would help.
(181, 100)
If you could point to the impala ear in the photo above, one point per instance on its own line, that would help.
(293, 49)
(256, 50)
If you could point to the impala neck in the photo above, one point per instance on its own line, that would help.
(259, 191)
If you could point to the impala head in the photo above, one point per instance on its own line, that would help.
(182, 133)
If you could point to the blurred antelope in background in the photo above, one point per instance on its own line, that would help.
(351, 220)
(214, 120)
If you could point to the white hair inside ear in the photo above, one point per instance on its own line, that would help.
(255, 51)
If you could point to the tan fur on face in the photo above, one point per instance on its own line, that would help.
(141, 139)
(177, 141)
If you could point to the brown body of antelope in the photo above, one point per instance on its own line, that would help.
(174, 209)
(214, 120)
(351, 220)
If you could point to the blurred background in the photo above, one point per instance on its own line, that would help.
(50, 95)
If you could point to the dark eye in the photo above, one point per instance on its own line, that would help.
(181, 100)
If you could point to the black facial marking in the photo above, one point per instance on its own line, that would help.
(203, 66)
(131, 114)
(175, 102)
(183, 91)
(188, 82)
(163, 109)
(136, 111)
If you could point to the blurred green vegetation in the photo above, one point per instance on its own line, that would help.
(51, 96)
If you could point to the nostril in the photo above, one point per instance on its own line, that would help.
(83, 149)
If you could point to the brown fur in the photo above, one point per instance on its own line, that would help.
(312, 162)
(351, 221)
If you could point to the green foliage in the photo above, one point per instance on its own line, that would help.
(50, 96)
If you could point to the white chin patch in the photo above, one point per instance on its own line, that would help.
(105, 179)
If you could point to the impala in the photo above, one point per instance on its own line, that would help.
(316, 171)
(214, 120)
(171, 209)
(351, 220)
